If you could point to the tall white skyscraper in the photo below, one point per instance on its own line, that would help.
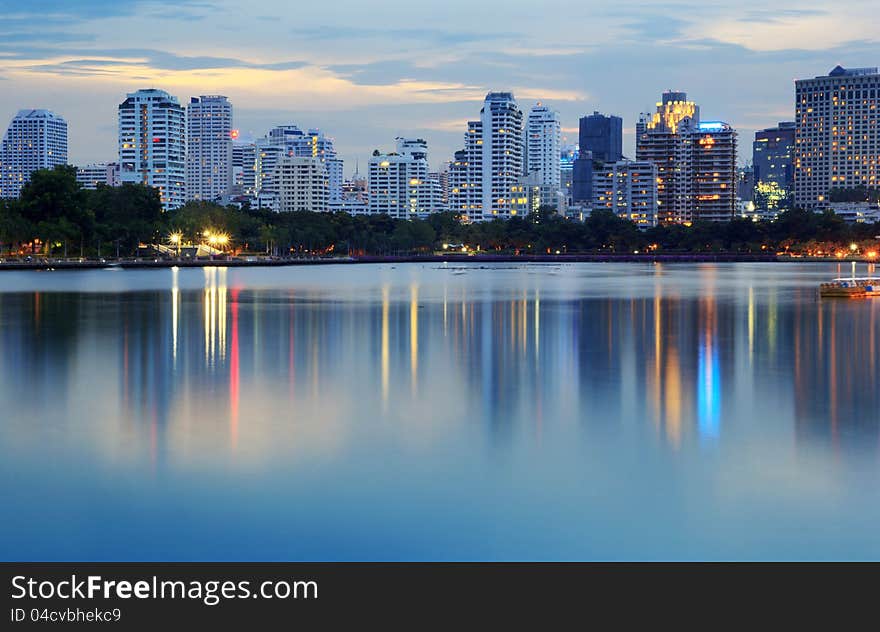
(152, 144)
(208, 148)
(35, 139)
(484, 177)
(399, 183)
(543, 141)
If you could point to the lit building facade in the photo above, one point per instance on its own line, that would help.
(705, 172)
(629, 189)
(399, 182)
(208, 148)
(659, 140)
(152, 144)
(485, 172)
(837, 138)
(291, 141)
(35, 139)
(773, 164)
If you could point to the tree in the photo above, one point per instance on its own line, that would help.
(54, 205)
(127, 215)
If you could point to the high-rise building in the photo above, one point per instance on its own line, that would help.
(567, 155)
(35, 139)
(543, 138)
(105, 173)
(485, 173)
(582, 177)
(399, 185)
(705, 172)
(152, 144)
(602, 135)
(600, 140)
(208, 148)
(773, 165)
(629, 189)
(837, 140)
(290, 140)
(696, 162)
(244, 169)
(301, 183)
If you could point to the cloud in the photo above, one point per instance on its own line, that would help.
(92, 9)
(423, 35)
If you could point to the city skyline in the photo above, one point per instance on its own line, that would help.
(364, 82)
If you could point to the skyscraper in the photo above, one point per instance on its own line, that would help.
(543, 138)
(706, 173)
(696, 161)
(837, 139)
(208, 148)
(152, 144)
(602, 135)
(773, 164)
(35, 139)
(485, 175)
(658, 140)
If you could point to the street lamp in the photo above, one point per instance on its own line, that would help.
(176, 239)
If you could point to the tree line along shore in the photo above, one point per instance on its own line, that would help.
(55, 219)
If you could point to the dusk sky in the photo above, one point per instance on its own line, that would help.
(366, 73)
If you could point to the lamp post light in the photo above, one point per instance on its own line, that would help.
(177, 240)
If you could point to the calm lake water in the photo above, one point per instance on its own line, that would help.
(582, 411)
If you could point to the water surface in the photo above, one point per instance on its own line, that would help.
(581, 411)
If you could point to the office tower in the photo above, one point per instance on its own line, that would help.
(35, 139)
(773, 167)
(301, 184)
(659, 141)
(244, 168)
(745, 183)
(582, 177)
(543, 139)
(602, 135)
(152, 144)
(208, 148)
(103, 173)
(706, 173)
(398, 182)
(837, 139)
(629, 189)
(485, 173)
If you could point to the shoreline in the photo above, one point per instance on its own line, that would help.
(142, 263)
(61, 264)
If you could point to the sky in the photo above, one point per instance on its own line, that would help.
(368, 72)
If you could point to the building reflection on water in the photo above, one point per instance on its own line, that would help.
(226, 361)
